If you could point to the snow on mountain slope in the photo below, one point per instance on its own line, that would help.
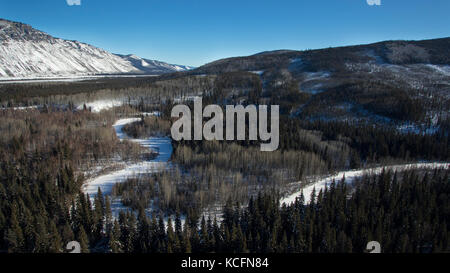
(29, 53)
(153, 66)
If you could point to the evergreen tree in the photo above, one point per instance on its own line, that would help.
(82, 238)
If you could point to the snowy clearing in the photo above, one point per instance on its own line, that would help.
(20, 108)
(350, 176)
(100, 105)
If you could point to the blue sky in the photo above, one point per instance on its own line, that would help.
(194, 32)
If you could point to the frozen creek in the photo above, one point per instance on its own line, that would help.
(350, 176)
(105, 182)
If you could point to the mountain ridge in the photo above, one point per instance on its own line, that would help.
(28, 53)
(239, 63)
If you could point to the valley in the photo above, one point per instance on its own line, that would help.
(87, 151)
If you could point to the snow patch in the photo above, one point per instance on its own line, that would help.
(443, 69)
(259, 72)
(100, 105)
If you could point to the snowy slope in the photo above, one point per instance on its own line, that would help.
(153, 66)
(29, 53)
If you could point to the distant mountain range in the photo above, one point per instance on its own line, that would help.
(29, 53)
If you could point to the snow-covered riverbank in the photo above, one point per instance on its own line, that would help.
(105, 182)
(350, 176)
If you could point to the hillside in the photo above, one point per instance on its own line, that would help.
(406, 81)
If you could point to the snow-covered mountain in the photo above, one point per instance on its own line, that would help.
(153, 66)
(29, 53)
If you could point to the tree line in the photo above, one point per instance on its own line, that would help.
(407, 212)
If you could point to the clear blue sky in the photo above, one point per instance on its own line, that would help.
(194, 32)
